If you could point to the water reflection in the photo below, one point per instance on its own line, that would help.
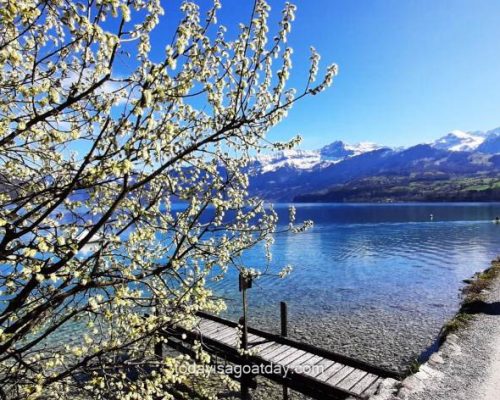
(371, 259)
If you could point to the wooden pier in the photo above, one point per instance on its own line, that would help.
(313, 371)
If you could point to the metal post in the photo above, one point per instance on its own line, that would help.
(284, 319)
(245, 283)
(284, 332)
(244, 339)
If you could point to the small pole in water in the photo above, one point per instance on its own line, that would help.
(284, 319)
(497, 220)
(432, 217)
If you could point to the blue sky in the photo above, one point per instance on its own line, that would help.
(410, 70)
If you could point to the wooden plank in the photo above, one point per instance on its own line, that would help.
(220, 334)
(308, 367)
(364, 383)
(277, 358)
(277, 351)
(204, 324)
(358, 364)
(270, 349)
(213, 330)
(350, 380)
(208, 325)
(261, 347)
(300, 360)
(254, 338)
(372, 388)
(345, 377)
(225, 333)
(231, 341)
(303, 380)
(203, 328)
(321, 366)
(338, 378)
(315, 358)
(333, 369)
(230, 338)
(341, 374)
(292, 357)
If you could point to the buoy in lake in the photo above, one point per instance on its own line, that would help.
(432, 217)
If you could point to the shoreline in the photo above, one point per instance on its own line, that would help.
(466, 364)
(437, 378)
(403, 346)
(472, 292)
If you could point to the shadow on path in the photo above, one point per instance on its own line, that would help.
(481, 307)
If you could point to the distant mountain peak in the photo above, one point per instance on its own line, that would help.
(309, 159)
(458, 140)
(293, 158)
(364, 147)
(339, 149)
(458, 154)
(491, 144)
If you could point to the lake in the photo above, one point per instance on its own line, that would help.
(374, 281)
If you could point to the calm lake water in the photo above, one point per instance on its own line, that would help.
(376, 282)
(373, 281)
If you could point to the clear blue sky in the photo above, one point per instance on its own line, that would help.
(410, 70)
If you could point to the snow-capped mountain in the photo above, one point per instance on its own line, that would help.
(299, 159)
(459, 141)
(284, 175)
(311, 159)
(339, 150)
(467, 141)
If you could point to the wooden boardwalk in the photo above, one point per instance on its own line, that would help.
(316, 372)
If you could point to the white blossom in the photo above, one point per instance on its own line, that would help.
(99, 138)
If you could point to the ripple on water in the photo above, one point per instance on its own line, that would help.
(380, 290)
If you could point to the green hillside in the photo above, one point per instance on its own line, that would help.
(401, 189)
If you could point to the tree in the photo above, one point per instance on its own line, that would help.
(98, 143)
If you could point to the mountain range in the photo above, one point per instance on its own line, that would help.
(459, 166)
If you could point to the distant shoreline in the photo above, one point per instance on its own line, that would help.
(393, 189)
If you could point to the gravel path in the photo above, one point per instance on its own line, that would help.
(492, 383)
(467, 366)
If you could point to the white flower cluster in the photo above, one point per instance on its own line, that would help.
(99, 141)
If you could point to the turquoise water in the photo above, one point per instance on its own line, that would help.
(375, 282)
(363, 264)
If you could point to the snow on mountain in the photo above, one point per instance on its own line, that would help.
(310, 159)
(362, 147)
(492, 143)
(284, 175)
(493, 132)
(460, 141)
(300, 159)
(338, 151)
